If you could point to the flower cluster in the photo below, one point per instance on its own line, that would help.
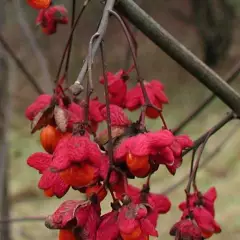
(74, 160)
(94, 162)
(134, 98)
(197, 221)
(49, 15)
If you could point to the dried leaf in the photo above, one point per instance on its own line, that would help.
(61, 118)
(42, 119)
(63, 215)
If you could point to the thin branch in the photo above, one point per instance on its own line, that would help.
(101, 31)
(110, 140)
(205, 162)
(71, 41)
(134, 34)
(5, 108)
(192, 176)
(214, 129)
(32, 41)
(230, 77)
(70, 38)
(139, 78)
(22, 219)
(179, 53)
(20, 65)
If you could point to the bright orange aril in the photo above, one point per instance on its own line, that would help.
(48, 192)
(49, 138)
(65, 235)
(39, 4)
(132, 236)
(151, 112)
(206, 234)
(78, 175)
(138, 165)
(99, 189)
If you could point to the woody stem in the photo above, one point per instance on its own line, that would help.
(70, 39)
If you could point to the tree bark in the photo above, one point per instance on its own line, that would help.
(4, 120)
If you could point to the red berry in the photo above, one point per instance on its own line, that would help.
(39, 4)
(66, 235)
(78, 175)
(99, 189)
(138, 165)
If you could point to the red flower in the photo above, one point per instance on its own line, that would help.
(205, 200)
(174, 152)
(156, 95)
(82, 215)
(76, 150)
(159, 203)
(51, 110)
(79, 161)
(108, 228)
(95, 116)
(130, 222)
(200, 213)
(186, 229)
(117, 116)
(206, 222)
(38, 105)
(133, 222)
(117, 88)
(49, 18)
(50, 182)
(137, 150)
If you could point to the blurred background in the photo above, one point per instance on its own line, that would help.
(209, 28)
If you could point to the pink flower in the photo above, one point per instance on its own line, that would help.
(75, 150)
(38, 105)
(174, 152)
(205, 200)
(83, 216)
(186, 229)
(50, 182)
(130, 220)
(49, 18)
(117, 87)
(55, 111)
(156, 95)
(117, 116)
(159, 203)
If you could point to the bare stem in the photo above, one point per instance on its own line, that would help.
(206, 161)
(20, 65)
(139, 78)
(71, 37)
(195, 168)
(101, 31)
(71, 40)
(230, 77)
(215, 128)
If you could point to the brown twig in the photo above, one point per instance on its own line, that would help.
(32, 41)
(71, 40)
(110, 140)
(139, 78)
(230, 77)
(214, 129)
(101, 32)
(192, 176)
(20, 65)
(21, 219)
(85, 4)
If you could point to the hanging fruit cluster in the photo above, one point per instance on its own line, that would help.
(96, 162)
